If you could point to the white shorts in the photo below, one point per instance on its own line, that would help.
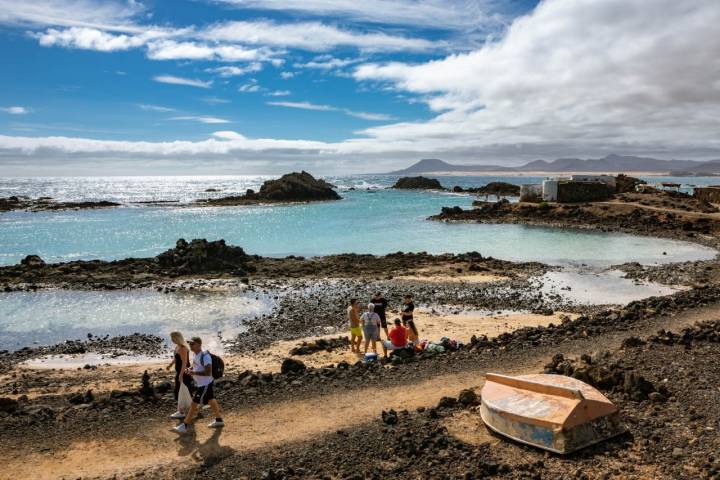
(391, 346)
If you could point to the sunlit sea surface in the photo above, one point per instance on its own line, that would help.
(369, 219)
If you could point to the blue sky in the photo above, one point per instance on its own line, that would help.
(256, 86)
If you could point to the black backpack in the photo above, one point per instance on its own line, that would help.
(218, 366)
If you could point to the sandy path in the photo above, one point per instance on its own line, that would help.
(153, 445)
(246, 430)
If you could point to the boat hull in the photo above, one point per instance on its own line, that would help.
(555, 440)
(553, 412)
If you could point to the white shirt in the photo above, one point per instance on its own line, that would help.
(200, 362)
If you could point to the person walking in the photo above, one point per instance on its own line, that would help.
(202, 374)
(380, 305)
(371, 327)
(181, 361)
(353, 314)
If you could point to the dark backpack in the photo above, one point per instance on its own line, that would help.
(218, 366)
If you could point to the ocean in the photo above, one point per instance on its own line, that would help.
(371, 218)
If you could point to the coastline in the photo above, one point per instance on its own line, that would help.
(333, 403)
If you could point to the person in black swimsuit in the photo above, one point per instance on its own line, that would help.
(380, 305)
(181, 360)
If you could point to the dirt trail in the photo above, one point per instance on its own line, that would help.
(246, 430)
(142, 445)
(715, 216)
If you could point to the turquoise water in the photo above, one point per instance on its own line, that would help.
(52, 316)
(370, 219)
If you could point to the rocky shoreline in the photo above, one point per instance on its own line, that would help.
(617, 216)
(44, 204)
(202, 259)
(430, 438)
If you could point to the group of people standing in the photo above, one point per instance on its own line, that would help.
(367, 325)
(197, 378)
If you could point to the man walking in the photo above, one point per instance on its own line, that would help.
(201, 372)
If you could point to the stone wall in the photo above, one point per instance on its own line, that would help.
(708, 194)
(576, 192)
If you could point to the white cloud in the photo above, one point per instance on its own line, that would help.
(330, 108)
(215, 100)
(15, 110)
(250, 87)
(89, 39)
(327, 62)
(233, 71)
(427, 13)
(312, 36)
(154, 108)
(279, 93)
(287, 75)
(304, 106)
(375, 117)
(190, 82)
(190, 50)
(106, 14)
(172, 50)
(201, 119)
(614, 75)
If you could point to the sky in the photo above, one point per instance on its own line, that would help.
(175, 87)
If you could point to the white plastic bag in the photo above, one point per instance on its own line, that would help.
(184, 398)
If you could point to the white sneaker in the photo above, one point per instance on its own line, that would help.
(216, 424)
(178, 415)
(182, 428)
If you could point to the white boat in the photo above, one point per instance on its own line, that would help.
(552, 412)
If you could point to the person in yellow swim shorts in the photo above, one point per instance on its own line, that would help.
(356, 336)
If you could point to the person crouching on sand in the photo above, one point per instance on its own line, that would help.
(181, 360)
(353, 314)
(371, 327)
(202, 373)
(398, 337)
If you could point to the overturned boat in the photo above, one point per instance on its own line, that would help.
(552, 412)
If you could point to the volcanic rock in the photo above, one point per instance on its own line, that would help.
(418, 183)
(290, 365)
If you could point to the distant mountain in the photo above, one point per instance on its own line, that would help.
(609, 164)
(429, 165)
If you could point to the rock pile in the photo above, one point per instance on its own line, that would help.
(293, 187)
(329, 344)
(418, 183)
(46, 203)
(201, 256)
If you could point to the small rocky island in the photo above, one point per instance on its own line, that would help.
(418, 183)
(41, 204)
(290, 188)
(499, 189)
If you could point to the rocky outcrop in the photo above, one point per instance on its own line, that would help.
(200, 256)
(622, 217)
(297, 187)
(418, 183)
(46, 203)
(500, 189)
(625, 184)
(293, 187)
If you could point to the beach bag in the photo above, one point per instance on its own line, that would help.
(218, 366)
(184, 398)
